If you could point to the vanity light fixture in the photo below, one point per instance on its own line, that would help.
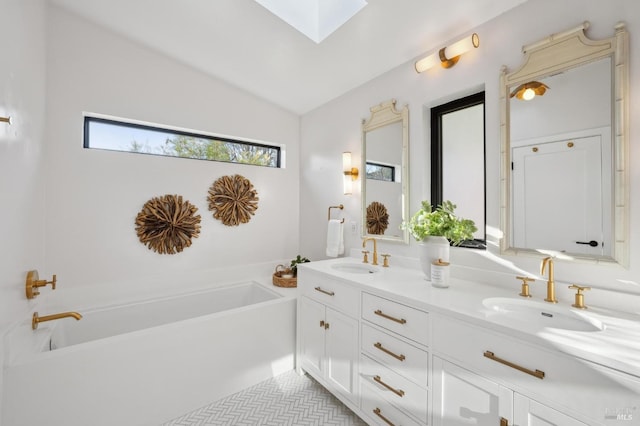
(349, 173)
(530, 90)
(448, 56)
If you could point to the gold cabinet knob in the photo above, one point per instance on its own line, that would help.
(524, 292)
(579, 299)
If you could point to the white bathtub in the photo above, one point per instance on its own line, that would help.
(148, 362)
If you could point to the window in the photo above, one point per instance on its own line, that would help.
(100, 133)
(458, 160)
(381, 172)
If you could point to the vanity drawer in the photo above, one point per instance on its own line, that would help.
(568, 383)
(403, 358)
(333, 293)
(408, 322)
(381, 412)
(396, 389)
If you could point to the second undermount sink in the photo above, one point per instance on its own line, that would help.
(355, 268)
(536, 316)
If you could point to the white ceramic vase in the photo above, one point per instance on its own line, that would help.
(431, 249)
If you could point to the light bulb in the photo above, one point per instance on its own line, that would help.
(528, 94)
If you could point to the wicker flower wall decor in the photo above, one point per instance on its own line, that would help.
(167, 224)
(233, 200)
(377, 218)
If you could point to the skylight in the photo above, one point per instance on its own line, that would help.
(316, 19)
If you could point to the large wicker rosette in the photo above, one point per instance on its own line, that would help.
(233, 200)
(167, 224)
(377, 218)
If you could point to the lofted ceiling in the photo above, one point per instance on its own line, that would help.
(245, 45)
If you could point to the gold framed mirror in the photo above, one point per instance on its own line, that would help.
(564, 149)
(385, 172)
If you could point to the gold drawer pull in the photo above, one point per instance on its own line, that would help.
(388, 352)
(378, 413)
(379, 312)
(398, 392)
(535, 373)
(330, 293)
(504, 422)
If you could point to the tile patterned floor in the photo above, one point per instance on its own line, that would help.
(288, 399)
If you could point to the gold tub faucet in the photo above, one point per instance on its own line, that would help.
(551, 285)
(38, 319)
(375, 249)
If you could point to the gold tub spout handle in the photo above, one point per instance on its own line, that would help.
(33, 283)
(36, 319)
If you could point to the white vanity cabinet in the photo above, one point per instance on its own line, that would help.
(527, 412)
(394, 362)
(328, 334)
(463, 397)
(404, 355)
(479, 372)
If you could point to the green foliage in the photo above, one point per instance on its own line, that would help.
(212, 149)
(296, 261)
(440, 222)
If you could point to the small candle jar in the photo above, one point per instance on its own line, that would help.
(287, 273)
(440, 274)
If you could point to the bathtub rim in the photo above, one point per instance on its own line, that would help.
(38, 351)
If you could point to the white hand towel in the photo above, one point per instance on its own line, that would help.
(335, 242)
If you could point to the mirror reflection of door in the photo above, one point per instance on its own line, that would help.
(567, 203)
(557, 195)
(457, 160)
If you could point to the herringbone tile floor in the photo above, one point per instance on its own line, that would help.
(288, 399)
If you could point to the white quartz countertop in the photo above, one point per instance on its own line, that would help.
(616, 346)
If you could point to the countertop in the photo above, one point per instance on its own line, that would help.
(617, 346)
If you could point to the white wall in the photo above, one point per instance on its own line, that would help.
(94, 196)
(501, 41)
(22, 96)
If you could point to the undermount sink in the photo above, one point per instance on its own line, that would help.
(355, 268)
(536, 316)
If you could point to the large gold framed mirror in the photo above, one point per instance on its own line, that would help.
(385, 172)
(564, 151)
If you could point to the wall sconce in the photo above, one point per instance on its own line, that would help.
(449, 56)
(349, 173)
(528, 91)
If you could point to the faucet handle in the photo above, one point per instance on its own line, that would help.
(525, 285)
(365, 258)
(52, 282)
(579, 299)
(385, 262)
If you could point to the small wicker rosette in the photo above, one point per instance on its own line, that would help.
(284, 277)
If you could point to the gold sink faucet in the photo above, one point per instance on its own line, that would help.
(551, 285)
(375, 249)
(38, 319)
